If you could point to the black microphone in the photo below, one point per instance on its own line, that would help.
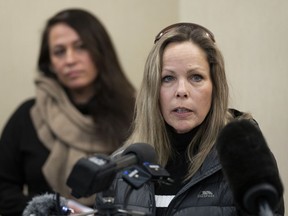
(96, 174)
(249, 167)
(47, 204)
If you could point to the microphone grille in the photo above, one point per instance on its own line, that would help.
(143, 151)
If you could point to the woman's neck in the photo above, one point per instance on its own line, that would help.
(180, 142)
(81, 96)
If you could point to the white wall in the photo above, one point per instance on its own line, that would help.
(253, 36)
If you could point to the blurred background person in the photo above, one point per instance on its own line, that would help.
(84, 105)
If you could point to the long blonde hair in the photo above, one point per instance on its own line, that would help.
(149, 125)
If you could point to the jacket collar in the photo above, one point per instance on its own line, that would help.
(210, 166)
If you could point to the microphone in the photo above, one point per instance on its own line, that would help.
(47, 204)
(96, 174)
(249, 167)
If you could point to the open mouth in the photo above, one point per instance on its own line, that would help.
(182, 110)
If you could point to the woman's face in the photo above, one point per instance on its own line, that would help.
(186, 86)
(70, 59)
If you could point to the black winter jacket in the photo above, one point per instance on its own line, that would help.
(206, 194)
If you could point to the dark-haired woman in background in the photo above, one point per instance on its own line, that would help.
(84, 104)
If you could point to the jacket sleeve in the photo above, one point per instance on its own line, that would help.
(12, 198)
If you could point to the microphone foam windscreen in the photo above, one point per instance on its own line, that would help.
(246, 159)
(42, 205)
(143, 151)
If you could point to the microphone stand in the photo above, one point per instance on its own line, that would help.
(264, 209)
(261, 199)
(107, 207)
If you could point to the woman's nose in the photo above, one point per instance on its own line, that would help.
(70, 56)
(182, 90)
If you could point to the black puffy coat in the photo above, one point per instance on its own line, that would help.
(206, 194)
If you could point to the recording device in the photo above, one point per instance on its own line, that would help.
(250, 167)
(47, 204)
(137, 175)
(96, 174)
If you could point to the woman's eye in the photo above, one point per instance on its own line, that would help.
(80, 46)
(197, 78)
(58, 52)
(167, 78)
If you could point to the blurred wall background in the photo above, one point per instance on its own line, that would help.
(251, 34)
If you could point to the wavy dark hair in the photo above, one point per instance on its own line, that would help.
(112, 107)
